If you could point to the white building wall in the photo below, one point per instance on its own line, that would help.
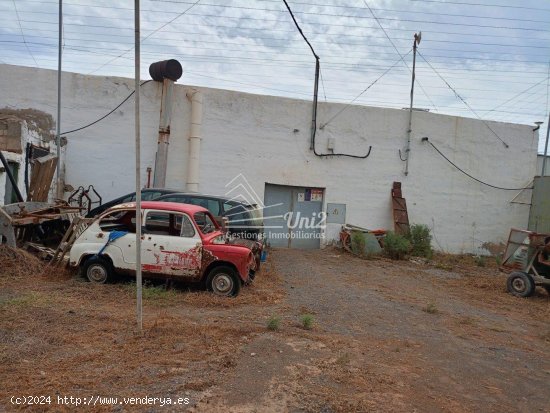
(255, 135)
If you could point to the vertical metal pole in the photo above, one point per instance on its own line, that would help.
(409, 129)
(139, 306)
(161, 160)
(314, 114)
(59, 186)
(546, 146)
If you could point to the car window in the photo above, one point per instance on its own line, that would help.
(228, 205)
(164, 223)
(204, 222)
(174, 198)
(187, 228)
(128, 198)
(147, 196)
(238, 216)
(212, 205)
(119, 221)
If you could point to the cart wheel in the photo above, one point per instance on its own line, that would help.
(520, 284)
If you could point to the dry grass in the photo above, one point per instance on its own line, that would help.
(19, 263)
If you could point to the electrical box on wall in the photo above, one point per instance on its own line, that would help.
(331, 144)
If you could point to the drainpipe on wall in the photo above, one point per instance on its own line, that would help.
(161, 160)
(193, 159)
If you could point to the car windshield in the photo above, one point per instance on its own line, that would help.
(204, 222)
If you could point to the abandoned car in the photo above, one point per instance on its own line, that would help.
(245, 220)
(179, 241)
(147, 194)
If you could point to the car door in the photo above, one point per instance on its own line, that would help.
(171, 245)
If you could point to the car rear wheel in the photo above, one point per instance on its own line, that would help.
(224, 281)
(97, 270)
(520, 284)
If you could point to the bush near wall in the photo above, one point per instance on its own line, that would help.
(421, 240)
(396, 246)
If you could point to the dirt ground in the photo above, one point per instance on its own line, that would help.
(387, 336)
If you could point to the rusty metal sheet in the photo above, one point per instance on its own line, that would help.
(399, 207)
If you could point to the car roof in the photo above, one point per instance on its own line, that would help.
(195, 194)
(164, 206)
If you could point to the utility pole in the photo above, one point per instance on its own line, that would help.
(417, 38)
(139, 304)
(59, 185)
(546, 146)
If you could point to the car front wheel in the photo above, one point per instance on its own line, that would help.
(224, 281)
(98, 270)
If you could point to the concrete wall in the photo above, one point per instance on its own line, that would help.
(267, 140)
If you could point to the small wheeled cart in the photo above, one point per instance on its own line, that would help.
(521, 260)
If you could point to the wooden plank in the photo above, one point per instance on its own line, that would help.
(43, 170)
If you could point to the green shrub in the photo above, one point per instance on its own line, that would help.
(358, 242)
(396, 246)
(431, 308)
(480, 260)
(307, 321)
(273, 323)
(421, 240)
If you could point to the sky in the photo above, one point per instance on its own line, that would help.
(486, 59)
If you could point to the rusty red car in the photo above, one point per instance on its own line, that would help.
(179, 241)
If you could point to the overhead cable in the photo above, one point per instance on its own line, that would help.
(469, 175)
(103, 117)
(464, 101)
(397, 51)
(314, 120)
(360, 94)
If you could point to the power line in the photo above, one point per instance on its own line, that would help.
(464, 101)
(334, 66)
(449, 57)
(314, 120)
(469, 175)
(103, 117)
(397, 51)
(346, 7)
(147, 37)
(23, 34)
(363, 92)
(443, 57)
(518, 95)
(481, 4)
(340, 25)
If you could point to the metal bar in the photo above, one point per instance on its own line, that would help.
(161, 161)
(546, 146)
(139, 304)
(11, 178)
(409, 129)
(314, 112)
(59, 186)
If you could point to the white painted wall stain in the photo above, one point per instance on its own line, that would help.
(254, 135)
